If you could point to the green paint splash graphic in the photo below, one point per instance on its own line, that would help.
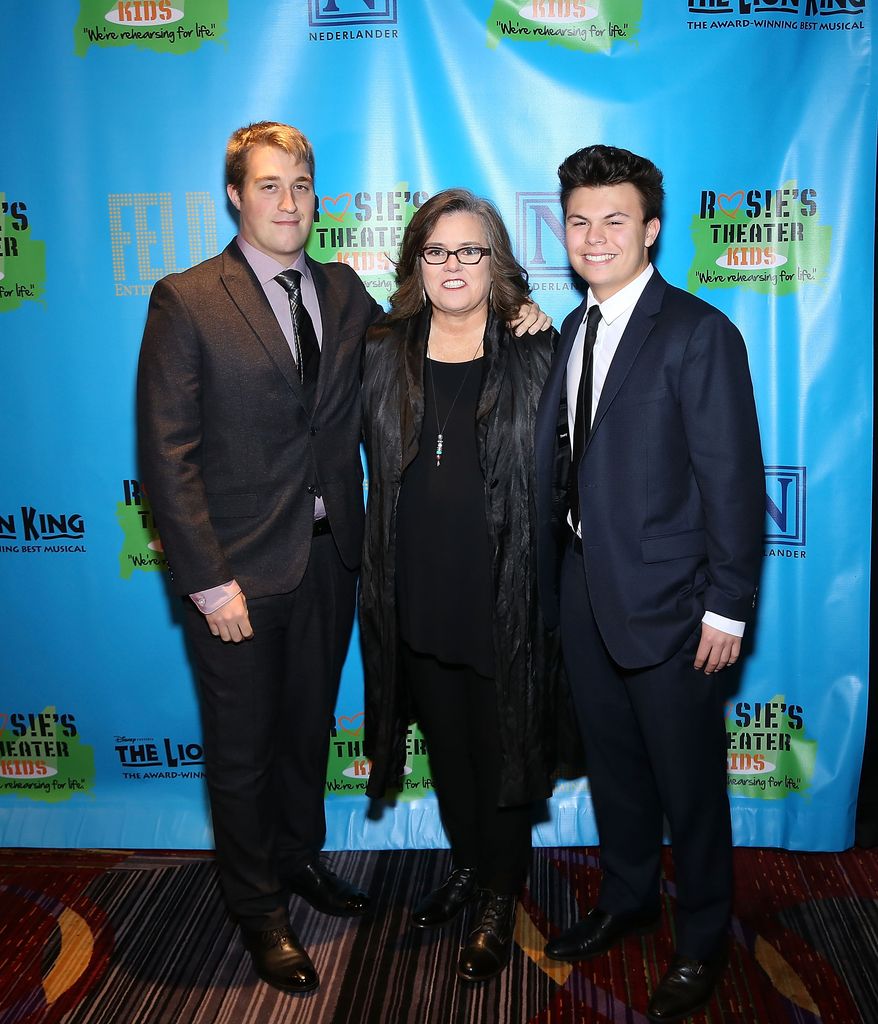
(142, 547)
(770, 758)
(768, 253)
(589, 26)
(164, 26)
(45, 764)
(22, 258)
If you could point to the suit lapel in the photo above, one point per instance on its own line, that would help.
(247, 294)
(639, 326)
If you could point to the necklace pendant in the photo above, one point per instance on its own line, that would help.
(438, 449)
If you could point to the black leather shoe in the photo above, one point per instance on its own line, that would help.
(445, 903)
(279, 959)
(598, 932)
(686, 987)
(326, 892)
(489, 945)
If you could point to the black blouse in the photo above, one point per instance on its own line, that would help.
(443, 570)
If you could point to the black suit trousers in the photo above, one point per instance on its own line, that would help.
(655, 746)
(267, 707)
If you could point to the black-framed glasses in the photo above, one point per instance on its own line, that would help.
(436, 254)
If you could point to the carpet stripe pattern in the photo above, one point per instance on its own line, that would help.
(124, 938)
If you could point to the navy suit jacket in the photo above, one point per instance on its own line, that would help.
(231, 452)
(671, 481)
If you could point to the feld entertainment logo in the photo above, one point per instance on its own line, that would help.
(785, 508)
(143, 238)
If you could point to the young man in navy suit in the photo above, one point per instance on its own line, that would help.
(649, 559)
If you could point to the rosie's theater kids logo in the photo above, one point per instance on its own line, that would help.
(347, 771)
(592, 26)
(803, 15)
(764, 239)
(22, 257)
(42, 756)
(769, 754)
(364, 230)
(142, 547)
(143, 236)
(165, 26)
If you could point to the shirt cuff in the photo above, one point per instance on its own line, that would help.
(726, 625)
(209, 601)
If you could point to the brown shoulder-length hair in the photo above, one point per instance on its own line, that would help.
(509, 287)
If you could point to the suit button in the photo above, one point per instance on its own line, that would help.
(312, 489)
(313, 431)
(493, 484)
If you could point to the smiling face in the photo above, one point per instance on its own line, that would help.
(276, 203)
(455, 288)
(607, 239)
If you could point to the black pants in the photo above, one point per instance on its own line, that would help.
(267, 708)
(656, 746)
(456, 709)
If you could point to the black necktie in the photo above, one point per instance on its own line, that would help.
(582, 417)
(307, 351)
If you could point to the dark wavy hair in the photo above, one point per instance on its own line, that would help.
(509, 287)
(595, 166)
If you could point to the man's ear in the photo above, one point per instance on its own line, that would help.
(234, 197)
(652, 229)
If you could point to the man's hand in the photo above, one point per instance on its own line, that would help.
(530, 320)
(232, 621)
(716, 649)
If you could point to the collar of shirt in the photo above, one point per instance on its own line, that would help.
(615, 314)
(266, 268)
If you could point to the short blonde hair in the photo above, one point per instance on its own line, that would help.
(264, 133)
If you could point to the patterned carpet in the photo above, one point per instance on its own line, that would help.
(120, 938)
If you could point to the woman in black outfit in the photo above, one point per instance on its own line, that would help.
(450, 627)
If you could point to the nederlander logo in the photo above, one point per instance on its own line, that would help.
(364, 230)
(32, 531)
(825, 15)
(765, 239)
(785, 507)
(22, 257)
(351, 19)
(143, 238)
(166, 26)
(539, 239)
(592, 26)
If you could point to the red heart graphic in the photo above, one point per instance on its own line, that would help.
(327, 200)
(352, 724)
(733, 210)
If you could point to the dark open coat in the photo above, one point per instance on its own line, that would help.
(527, 657)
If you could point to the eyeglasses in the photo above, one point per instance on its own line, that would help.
(436, 255)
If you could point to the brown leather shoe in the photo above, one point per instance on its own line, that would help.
(686, 987)
(279, 959)
(489, 945)
(326, 892)
(445, 903)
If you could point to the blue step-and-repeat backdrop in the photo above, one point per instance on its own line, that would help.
(115, 117)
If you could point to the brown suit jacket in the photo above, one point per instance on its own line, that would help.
(230, 453)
